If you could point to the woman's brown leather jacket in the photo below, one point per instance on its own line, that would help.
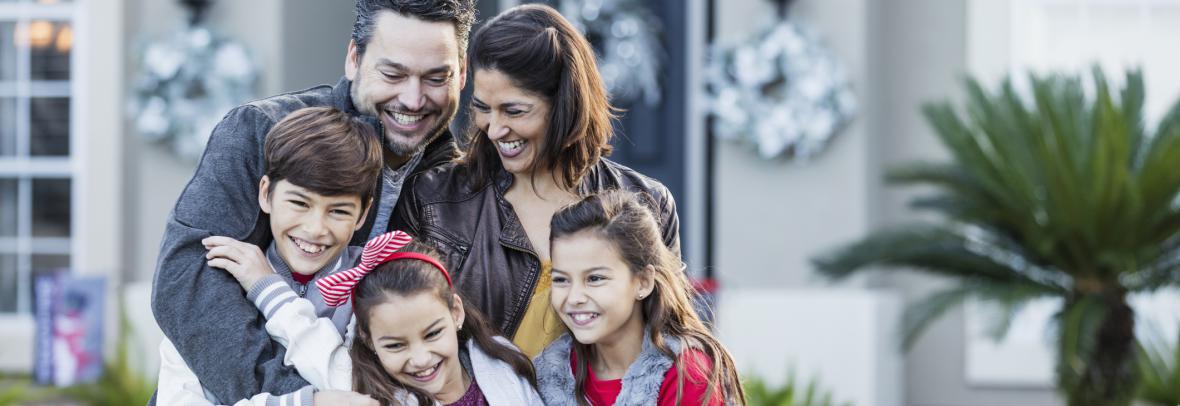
(484, 245)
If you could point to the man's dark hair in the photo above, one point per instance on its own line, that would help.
(326, 151)
(458, 12)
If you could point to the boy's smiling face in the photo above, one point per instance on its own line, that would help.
(309, 229)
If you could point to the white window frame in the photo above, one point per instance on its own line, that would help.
(23, 167)
(19, 325)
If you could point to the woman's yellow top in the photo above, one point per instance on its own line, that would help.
(540, 324)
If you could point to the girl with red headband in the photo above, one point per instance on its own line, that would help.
(414, 340)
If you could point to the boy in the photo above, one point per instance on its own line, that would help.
(321, 168)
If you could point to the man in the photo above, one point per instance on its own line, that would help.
(403, 72)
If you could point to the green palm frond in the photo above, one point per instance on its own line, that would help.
(1011, 298)
(1071, 181)
(1054, 189)
(1076, 324)
(1159, 365)
(938, 250)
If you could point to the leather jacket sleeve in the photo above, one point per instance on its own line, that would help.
(669, 221)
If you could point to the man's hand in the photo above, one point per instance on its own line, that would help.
(244, 261)
(336, 397)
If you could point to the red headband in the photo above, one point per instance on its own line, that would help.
(338, 287)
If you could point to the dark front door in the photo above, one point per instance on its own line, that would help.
(652, 139)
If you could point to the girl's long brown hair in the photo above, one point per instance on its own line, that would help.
(405, 277)
(619, 218)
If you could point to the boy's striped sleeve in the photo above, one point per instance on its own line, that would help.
(301, 397)
(271, 293)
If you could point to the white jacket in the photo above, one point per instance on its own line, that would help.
(321, 356)
(178, 385)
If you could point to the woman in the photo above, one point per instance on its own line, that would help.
(541, 126)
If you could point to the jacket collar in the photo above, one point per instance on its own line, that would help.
(280, 266)
(590, 183)
(342, 96)
(498, 381)
(641, 383)
(511, 231)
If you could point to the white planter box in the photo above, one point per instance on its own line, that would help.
(844, 338)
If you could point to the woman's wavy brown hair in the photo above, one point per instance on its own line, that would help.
(404, 277)
(542, 53)
(619, 218)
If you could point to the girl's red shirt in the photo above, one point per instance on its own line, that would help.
(696, 367)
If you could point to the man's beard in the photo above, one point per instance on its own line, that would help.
(446, 115)
(402, 149)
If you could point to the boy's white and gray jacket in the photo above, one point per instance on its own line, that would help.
(179, 385)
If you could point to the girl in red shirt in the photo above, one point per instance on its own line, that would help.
(633, 335)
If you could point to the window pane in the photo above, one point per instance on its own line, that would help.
(8, 208)
(49, 130)
(51, 207)
(7, 283)
(7, 51)
(50, 43)
(50, 263)
(7, 126)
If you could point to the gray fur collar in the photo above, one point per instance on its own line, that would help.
(641, 384)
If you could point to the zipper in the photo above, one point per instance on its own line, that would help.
(432, 233)
(534, 274)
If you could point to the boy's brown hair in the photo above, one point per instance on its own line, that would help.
(326, 151)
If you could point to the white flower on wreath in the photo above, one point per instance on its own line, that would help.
(781, 92)
(188, 81)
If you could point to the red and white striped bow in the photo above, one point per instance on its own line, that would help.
(337, 288)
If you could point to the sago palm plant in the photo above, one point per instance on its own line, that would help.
(1055, 192)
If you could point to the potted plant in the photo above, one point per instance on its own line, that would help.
(1056, 192)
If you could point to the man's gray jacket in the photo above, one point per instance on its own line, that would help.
(202, 310)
